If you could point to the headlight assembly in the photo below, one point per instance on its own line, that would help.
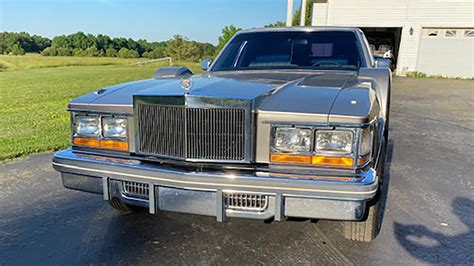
(288, 139)
(334, 141)
(313, 146)
(87, 126)
(103, 132)
(114, 127)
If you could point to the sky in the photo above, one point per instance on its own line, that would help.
(153, 20)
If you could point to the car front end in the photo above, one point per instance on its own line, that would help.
(266, 144)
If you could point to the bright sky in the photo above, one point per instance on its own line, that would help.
(154, 20)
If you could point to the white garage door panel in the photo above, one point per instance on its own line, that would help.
(452, 57)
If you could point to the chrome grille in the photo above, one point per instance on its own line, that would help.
(246, 201)
(135, 189)
(194, 133)
(161, 130)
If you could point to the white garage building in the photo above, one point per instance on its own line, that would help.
(435, 37)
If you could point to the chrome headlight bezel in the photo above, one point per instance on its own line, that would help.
(100, 139)
(349, 152)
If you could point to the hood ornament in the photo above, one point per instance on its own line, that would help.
(186, 84)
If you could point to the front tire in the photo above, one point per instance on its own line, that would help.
(367, 230)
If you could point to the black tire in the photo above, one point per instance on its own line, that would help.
(122, 207)
(368, 229)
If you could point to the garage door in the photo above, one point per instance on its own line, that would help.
(447, 52)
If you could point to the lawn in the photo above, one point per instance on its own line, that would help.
(35, 90)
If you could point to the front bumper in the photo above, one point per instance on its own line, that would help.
(204, 192)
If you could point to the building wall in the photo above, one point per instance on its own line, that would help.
(411, 15)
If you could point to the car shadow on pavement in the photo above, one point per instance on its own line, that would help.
(438, 248)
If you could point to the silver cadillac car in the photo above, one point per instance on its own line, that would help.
(285, 123)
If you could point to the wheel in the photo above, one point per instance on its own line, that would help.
(368, 229)
(122, 207)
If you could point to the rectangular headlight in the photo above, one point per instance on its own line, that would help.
(114, 127)
(87, 126)
(334, 141)
(289, 139)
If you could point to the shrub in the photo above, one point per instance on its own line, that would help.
(123, 52)
(17, 50)
(133, 54)
(61, 51)
(416, 74)
(79, 52)
(92, 51)
(111, 52)
(50, 51)
(126, 53)
(157, 53)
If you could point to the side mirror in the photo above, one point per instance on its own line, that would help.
(383, 62)
(205, 64)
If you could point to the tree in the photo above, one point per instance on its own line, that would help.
(123, 52)
(180, 48)
(79, 52)
(227, 33)
(50, 51)
(111, 52)
(309, 11)
(157, 53)
(133, 54)
(17, 50)
(64, 51)
(278, 24)
(126, 53)
(92, 51)
(82, 44)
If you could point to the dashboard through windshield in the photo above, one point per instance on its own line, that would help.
(291, 50)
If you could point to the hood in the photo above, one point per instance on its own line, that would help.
(268, 92)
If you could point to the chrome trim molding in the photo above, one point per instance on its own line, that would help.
(362, 187)
(371, 192)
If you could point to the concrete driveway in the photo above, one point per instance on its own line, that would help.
(429, 216)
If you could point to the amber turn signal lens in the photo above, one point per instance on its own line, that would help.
(290, 158)
(364, 159)
(114, 144)
(95, 143)
(332, 161)
(100, 143)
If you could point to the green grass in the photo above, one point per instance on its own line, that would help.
(34, 93)
(11, 62)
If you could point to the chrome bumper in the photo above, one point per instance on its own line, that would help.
(204, 193)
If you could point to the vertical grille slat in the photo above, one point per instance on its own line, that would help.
(245, 201)
(194, 133)
(135, 189)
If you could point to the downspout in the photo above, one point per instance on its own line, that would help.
(303, 13)
(289, 14)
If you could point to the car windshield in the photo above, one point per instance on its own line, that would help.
(291, 50)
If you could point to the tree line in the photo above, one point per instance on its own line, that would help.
(81, 44)
(100, 45)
